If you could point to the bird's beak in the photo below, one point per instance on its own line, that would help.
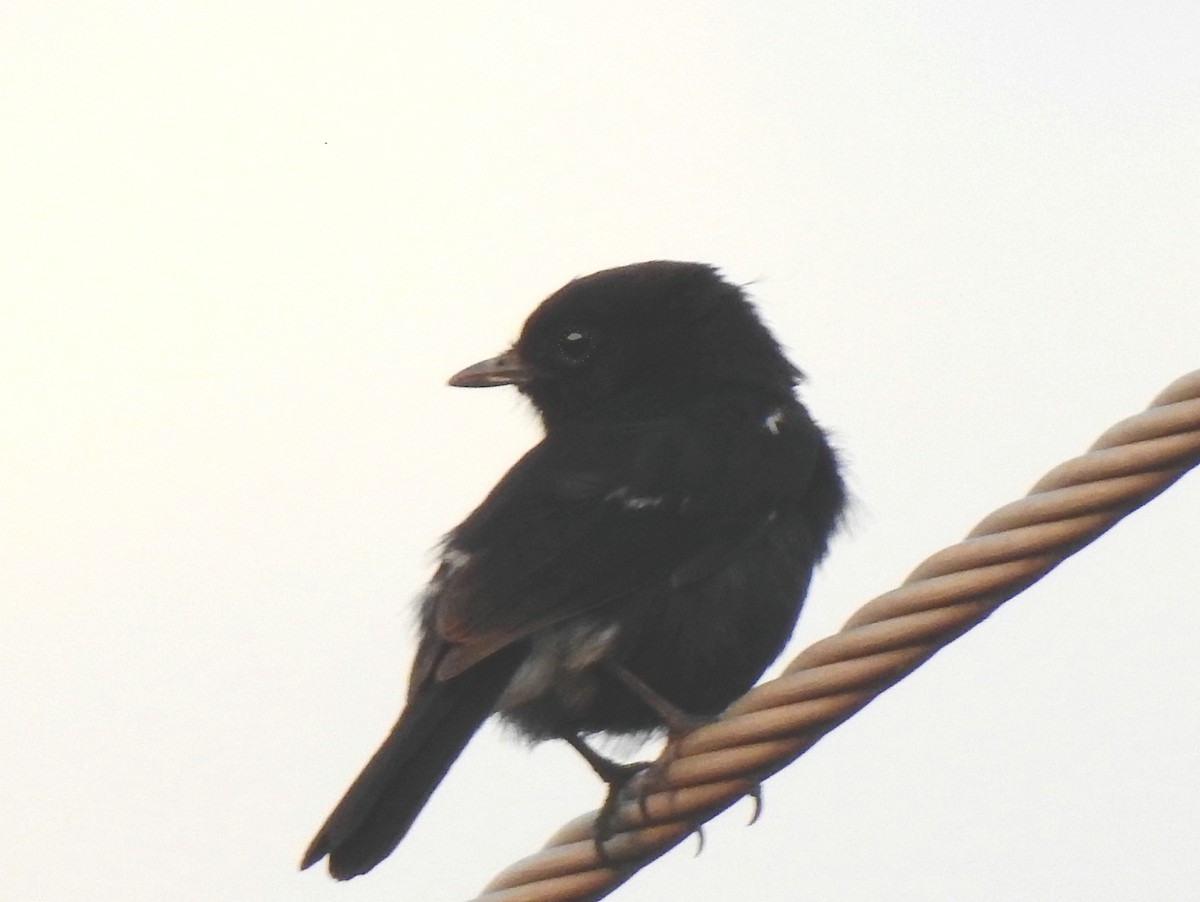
(506, 369)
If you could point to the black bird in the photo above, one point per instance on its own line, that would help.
(639, 568)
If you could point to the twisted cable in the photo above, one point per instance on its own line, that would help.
(884, 641)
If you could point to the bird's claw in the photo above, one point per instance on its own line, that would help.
(619, 778)
(644, 779)
(756, 794)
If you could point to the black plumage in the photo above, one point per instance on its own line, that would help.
(647, 558)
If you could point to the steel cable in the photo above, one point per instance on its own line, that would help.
(885, 640)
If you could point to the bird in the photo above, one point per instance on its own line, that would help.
(634, 572)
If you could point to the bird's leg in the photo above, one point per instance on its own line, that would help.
(679, 723)
(617, 776)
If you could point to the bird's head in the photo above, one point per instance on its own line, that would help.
(635, 338)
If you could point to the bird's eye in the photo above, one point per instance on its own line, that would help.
(575, 346)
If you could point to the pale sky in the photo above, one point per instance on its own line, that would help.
(245, 244)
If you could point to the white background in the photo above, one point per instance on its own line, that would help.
(243, 246)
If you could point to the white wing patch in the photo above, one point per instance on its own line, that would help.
(774, 418)
(634, 502)
(453, 559)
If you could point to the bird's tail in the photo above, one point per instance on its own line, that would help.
(380, 806)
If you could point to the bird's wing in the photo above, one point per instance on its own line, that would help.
(588, 517)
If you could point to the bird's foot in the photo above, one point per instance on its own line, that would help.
(643, 778)
(651, 778)
(636, 782)
(621, 779)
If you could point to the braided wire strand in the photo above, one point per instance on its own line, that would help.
(885, 640)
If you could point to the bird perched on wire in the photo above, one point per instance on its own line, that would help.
(639, 568)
